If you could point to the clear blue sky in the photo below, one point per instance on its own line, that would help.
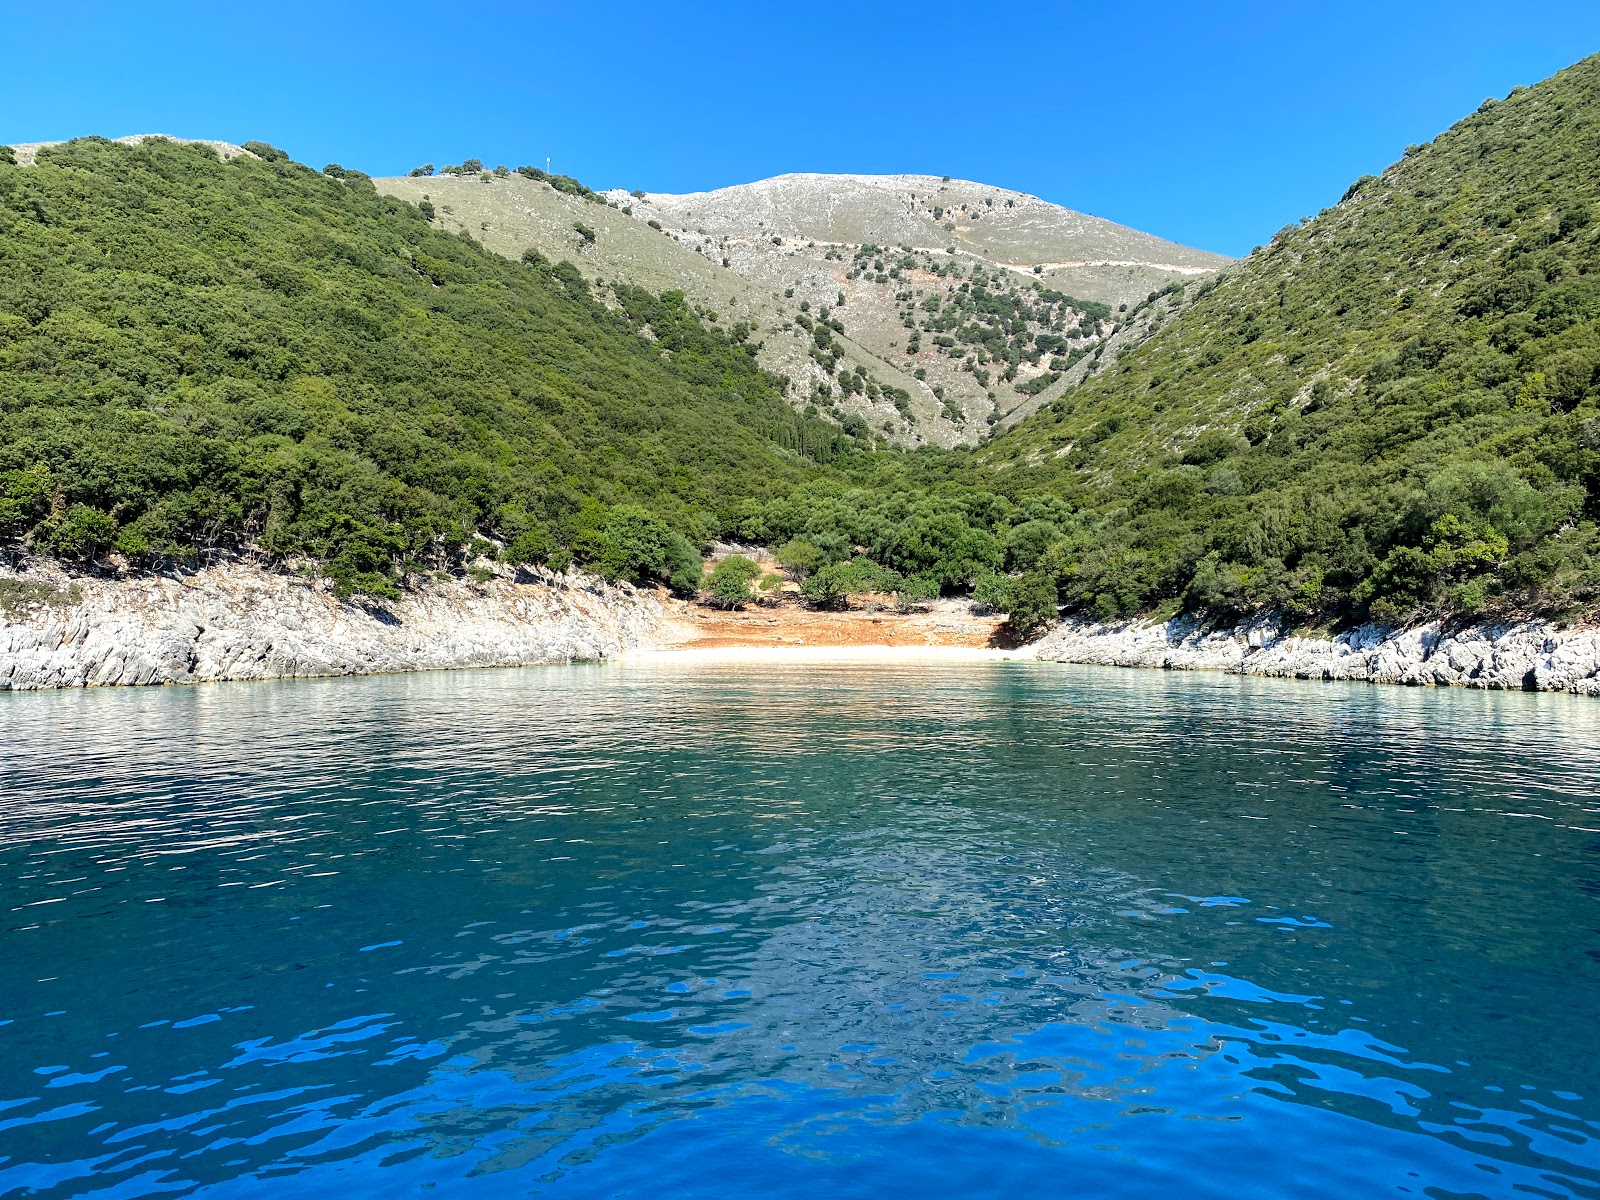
(1208, 123)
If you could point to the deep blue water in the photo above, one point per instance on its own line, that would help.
(1006, 929)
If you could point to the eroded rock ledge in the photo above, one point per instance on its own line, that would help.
(238, 621)
(1529, 656)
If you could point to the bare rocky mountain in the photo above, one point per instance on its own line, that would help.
(1084, 255)
(931, 309)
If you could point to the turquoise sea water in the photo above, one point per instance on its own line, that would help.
(992, 930)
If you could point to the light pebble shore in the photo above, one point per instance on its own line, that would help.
(777, 656)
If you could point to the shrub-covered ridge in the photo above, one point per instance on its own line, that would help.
(1391, 409)
(197, 353)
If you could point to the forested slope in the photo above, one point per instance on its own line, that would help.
(1391, 409)
(200, 353)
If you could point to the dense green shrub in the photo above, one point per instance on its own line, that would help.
(197, 354)
(913, 592)
(270, 153)
(728, 583)
(801, 558)
(992, 591)
(1392, 410)
(1032, 607)
(834, 584)
(635, 545)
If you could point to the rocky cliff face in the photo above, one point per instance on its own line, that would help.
(1532, 656)
(242, 622)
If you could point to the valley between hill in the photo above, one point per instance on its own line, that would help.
(840, 276)
(1386, 419)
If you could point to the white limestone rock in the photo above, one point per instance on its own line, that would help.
(239, 621)
(1504, 656)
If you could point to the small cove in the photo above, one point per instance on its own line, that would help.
(700, 929)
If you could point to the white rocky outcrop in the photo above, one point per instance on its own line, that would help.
(238, 621)
(1531, 656)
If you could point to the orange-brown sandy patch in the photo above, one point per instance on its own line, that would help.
(949, 623)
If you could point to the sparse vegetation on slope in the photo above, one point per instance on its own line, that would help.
(516, 212)
(866, 246)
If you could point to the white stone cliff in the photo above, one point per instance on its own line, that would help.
(1532, 656)
(238, 621)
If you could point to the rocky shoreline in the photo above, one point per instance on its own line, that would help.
(1526, 656)
(238, 621)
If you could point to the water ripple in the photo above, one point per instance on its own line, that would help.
(637, 930)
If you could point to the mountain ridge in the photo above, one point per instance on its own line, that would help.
(26, 153)
(1389, 413)
(861, 374)
(872, 366)
(897, 220)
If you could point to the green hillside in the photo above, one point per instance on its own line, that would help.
(198, 353)
(1391, 409)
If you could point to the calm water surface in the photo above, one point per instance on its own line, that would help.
(1006, 929)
